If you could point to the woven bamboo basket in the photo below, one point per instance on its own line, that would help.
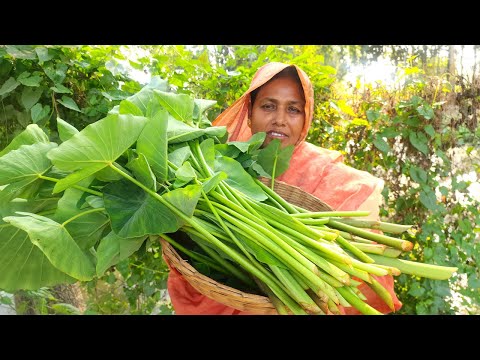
(251, 303)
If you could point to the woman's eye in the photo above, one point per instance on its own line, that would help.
(293, 109)
(268, 106)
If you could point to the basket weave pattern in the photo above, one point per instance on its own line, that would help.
(255, 304)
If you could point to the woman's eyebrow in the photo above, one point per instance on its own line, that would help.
(276, 100)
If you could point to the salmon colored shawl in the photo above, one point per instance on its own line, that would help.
(316, 170)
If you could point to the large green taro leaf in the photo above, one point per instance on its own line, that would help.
(65, 130)
(180, 106)
(95, 147)
(113, 249)
(275, 160)
(146, 96)
(152, 143)
(134, 213)
(31, 135)
(142, 171)
(25, 163)
(23, 265)
(178, 131)
(238, 178)
(56, 243)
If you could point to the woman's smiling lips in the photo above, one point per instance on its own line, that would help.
(277, 135)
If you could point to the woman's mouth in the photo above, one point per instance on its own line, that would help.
(277, 135)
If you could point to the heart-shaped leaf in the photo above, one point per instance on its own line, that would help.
(56, 243)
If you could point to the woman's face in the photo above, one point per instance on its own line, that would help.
(279, 110)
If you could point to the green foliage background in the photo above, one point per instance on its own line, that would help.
(410, 135)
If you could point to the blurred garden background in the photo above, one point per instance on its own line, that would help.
(408, 114)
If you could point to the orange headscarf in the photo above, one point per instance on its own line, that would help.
(316, 170)
(235, 117)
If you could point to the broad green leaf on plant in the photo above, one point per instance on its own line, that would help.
(8, 86)
(258, 169)
(184, 199)
(274, 159)
(418, 174)
(65, 130)
(23, 265)
(77, 176)
(21, 51)
(87, 229)
(68, 102)
(200, 106)
(430, 130)
(419, 141)
(134, 213)
(31, 135)
(208, 151)
(389, 132)
(153, 108)
(23, 75)
(146, 95)
(60, 89)
(179, 156)
(178, 131)
(184, 175)
(114, 95)
(69, 203)
(30, 97)
(213, 181)
(238, 178)
(127, 107)
(107, 174)
(427, 253)
(416, 290)
(252, 144)
(413, 121)
(428, 199)
(57, 75)
(94, 201)
(31, 205)
(426, 111)
(152, 143)
(39, 112)
(96, 146)
(142, 171)
(16, 189)
(101, 142)
(180, 106)
(112, 249)
(26, 162)
(473, 281)
(56, 243)
(227, 150)
(381, 144)
(22, 117)
(33, 81)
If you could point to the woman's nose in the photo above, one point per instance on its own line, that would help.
(281, 118)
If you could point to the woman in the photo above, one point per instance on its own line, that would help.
(279, 102)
